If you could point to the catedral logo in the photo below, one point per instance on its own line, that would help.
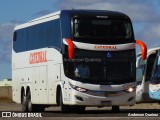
(38, 57)
(111, 47)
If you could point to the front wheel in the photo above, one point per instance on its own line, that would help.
(31, 107)
(64, 108)
(68, 108)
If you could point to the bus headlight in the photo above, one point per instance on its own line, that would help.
(131, 89)
(79, 89)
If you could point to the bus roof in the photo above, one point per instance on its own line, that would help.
(95, 12)
(46, 16)
(56, 15)
(149, 50)
(39, 20)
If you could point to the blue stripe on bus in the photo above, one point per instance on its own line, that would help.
(154, 95)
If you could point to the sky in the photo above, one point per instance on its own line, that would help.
(145, 15)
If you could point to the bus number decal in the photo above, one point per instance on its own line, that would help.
(38, 57)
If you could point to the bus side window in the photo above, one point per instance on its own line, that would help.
(155, 79)
(150, 64)
(15, 36)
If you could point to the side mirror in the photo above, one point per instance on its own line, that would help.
(139, 75)
(140, 62)
(70, 44)
(143, 49)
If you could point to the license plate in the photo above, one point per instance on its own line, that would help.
(106, 102)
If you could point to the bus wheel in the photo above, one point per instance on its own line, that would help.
(64, 108)
(31, 107)
(115, 109)
(24, 103)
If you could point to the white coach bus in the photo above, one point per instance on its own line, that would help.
(148, 87)
(154, 83)
(74, 59)
(144, 75)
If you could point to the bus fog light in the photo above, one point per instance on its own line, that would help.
(130, 99)
(79, 98)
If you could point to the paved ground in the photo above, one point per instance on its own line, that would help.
(147, 109)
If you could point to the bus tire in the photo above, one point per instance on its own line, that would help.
(24, 102)
(64, 108)
(115, 109)
(31, 107)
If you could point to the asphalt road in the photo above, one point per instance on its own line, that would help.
(147, 110)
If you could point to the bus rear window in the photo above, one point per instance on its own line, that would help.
(102, 28)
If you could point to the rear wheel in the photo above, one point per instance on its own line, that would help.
(115, 109)
(31, 107)
(24, 103)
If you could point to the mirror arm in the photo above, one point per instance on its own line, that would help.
(143, 49)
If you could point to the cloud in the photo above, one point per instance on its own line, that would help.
(6, 33)
(142, 12)
(138, 10)
(43, 12)
(5, 71)
(150, 35)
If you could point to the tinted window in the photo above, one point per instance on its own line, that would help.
(14, 36)
(21, 42)
(102, 28)
(113, 67)
(156, 72)
(150, 65)
(39, 36)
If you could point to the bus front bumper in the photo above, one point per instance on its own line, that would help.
(102, 99)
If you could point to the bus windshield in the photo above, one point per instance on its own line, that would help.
(101, 28)
(156, 72)
(101, 67)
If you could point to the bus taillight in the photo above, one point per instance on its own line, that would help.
(143, 48)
